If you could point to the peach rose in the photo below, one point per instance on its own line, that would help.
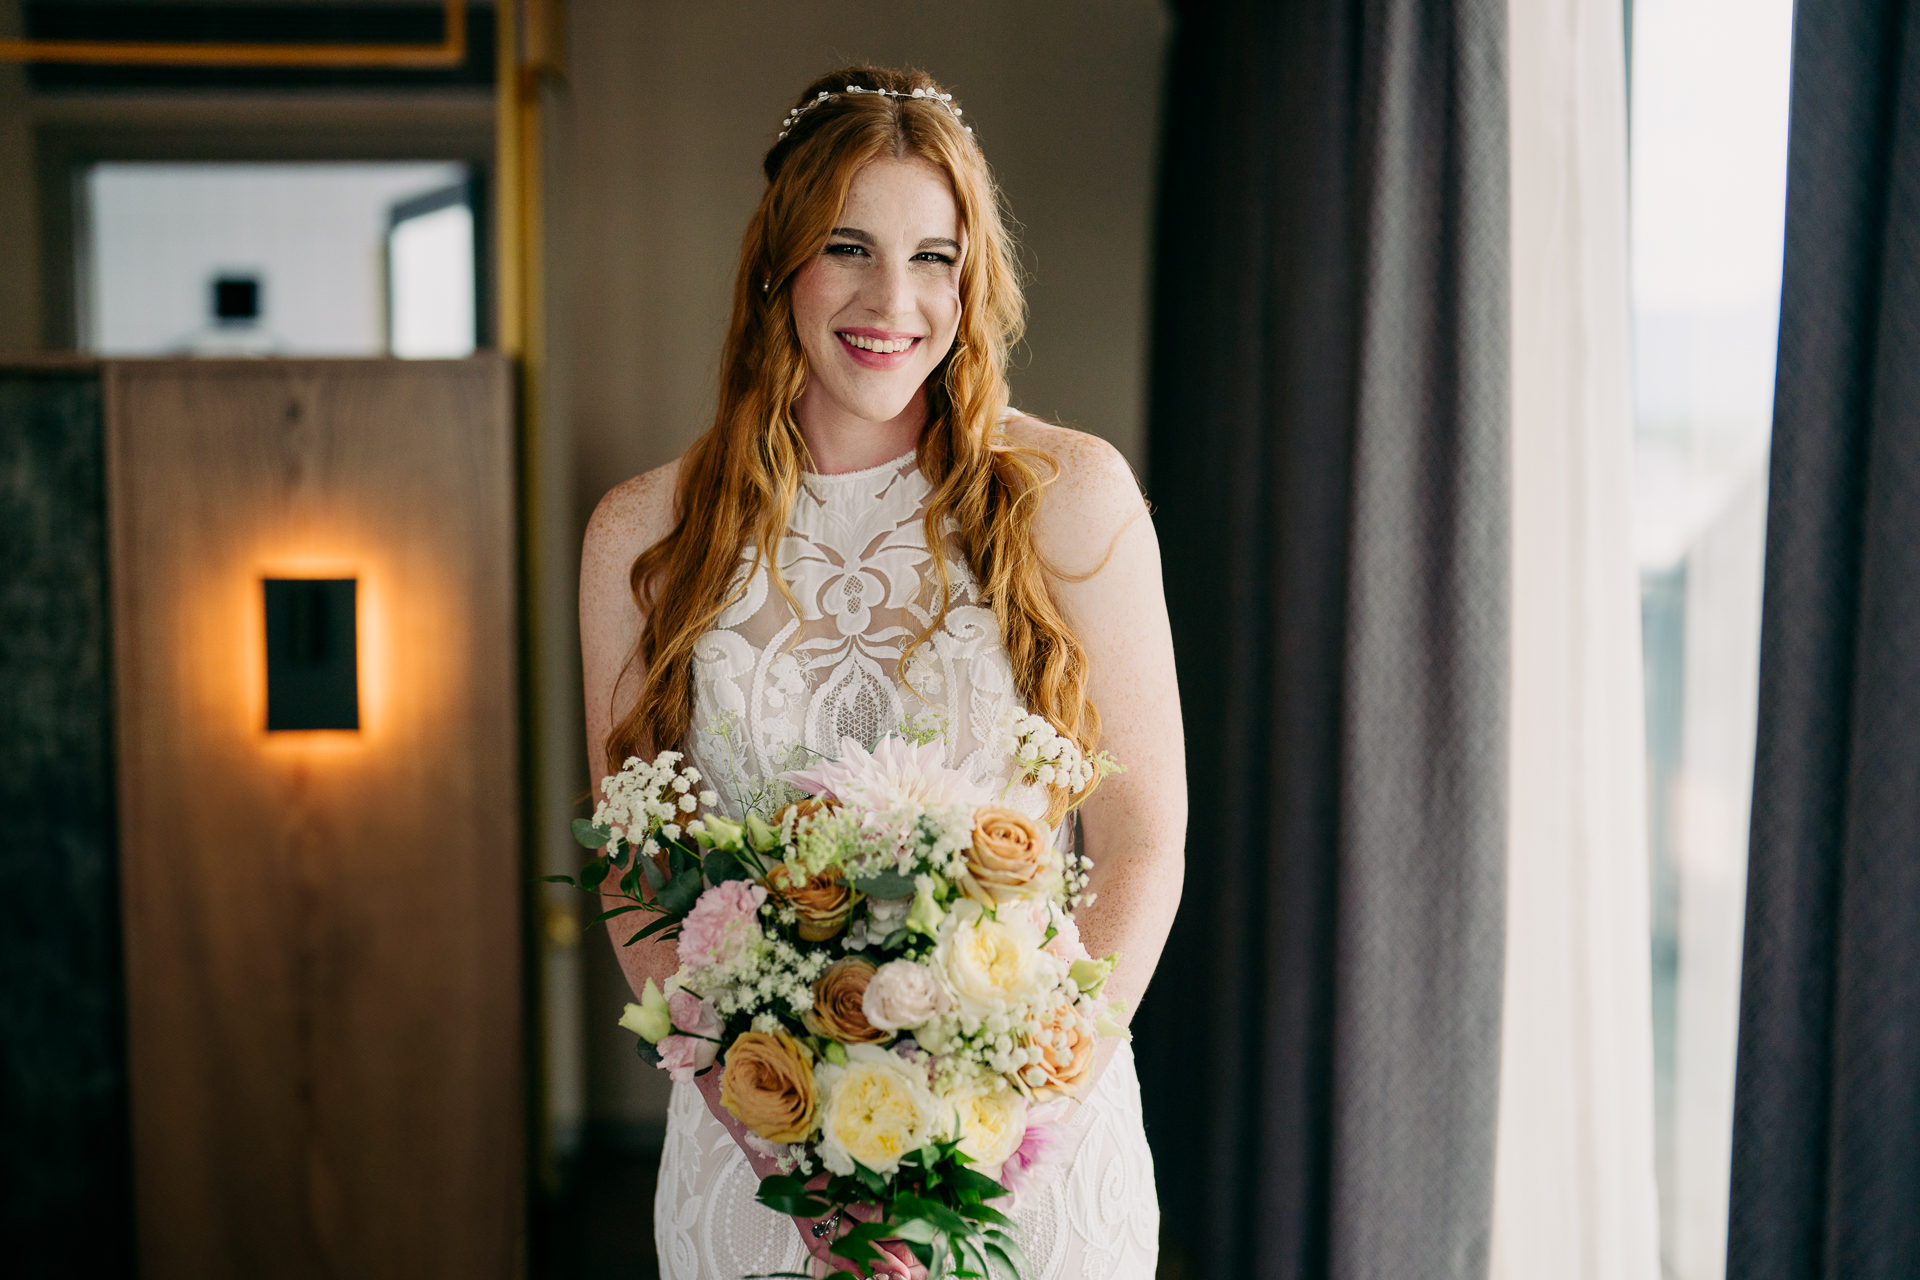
(823, 903)
(1066, 1057)
(1011, 857)
(839, 997)
(767, 1083)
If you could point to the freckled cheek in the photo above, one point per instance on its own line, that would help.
(942, 311)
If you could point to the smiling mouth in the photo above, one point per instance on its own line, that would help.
(879, 346)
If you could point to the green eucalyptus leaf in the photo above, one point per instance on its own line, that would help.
(557, 879)
(1001, 1255)
(608, 915)
(1006, 1239)
(682, 891)
(872, 1181)
(969, 1180)
(651, 870)
(783, 1184)
(970, 1256)
(786, 1194)
(856, 1246)
(590, 836)
(665, 926)
(593, 873)
(937, 1214)
(722, 866)
(887, 884)
(986, 1213)
(917, 1231)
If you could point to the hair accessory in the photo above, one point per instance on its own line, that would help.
(930, 95)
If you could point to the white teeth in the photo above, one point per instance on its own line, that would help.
(886, 347)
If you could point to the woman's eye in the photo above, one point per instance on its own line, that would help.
(933, 257)
(846, 250)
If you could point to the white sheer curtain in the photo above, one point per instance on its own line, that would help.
(1574, 1190)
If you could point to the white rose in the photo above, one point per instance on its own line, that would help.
(988, 964)
(874, 1110)
(902, 995)
(992, 1123)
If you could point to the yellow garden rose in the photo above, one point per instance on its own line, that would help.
(992, 1121)
(875, 1109)
(988, 964)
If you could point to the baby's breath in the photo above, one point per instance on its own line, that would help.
(1043, 756)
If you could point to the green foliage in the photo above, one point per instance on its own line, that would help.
(887, 884)
(935, 1203)
(722, 866)
(590, 836)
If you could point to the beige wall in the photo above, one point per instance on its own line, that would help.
(657, 136)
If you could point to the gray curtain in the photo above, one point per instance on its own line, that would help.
(1320, 1050)
(1826, 1150)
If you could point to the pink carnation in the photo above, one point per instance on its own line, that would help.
(1043, 1150)
(684, 1055)
(721, 925)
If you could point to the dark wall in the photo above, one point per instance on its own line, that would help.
(65, 1201)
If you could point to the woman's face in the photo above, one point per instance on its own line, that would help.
(877, 308)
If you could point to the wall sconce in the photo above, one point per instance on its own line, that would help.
(313, 658)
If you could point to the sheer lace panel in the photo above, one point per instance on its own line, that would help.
(774, 687)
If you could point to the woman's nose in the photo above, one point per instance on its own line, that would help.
(890, 292)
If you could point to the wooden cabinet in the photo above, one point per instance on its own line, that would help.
(323, 940)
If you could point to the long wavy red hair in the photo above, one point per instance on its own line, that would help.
(738, 482)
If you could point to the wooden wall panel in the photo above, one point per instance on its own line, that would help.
(322, 928)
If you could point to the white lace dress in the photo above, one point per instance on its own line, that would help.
(857, 560)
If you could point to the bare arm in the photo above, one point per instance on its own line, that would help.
(629, 520)
(1136, 822)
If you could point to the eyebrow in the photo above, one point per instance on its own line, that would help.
(860, 237)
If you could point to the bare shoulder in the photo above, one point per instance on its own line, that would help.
(1095, 498)
(632, 516)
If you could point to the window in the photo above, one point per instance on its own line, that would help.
(1709, 146)
(329, 259)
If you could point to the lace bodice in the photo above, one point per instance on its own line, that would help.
(775, 688)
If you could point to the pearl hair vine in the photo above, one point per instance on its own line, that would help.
(928, 95)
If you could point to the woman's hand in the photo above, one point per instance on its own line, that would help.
(895, 1263)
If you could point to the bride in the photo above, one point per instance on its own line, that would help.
(868, 537)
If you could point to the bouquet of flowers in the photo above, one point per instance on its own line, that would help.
(881, 961)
